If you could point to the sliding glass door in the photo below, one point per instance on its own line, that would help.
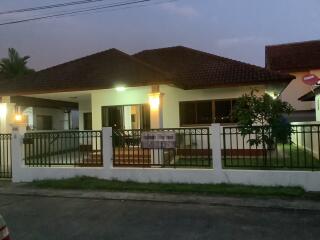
(126, 116)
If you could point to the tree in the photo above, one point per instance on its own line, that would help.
(15, 65)
(263, 117)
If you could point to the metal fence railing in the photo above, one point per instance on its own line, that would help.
(5, 156)
(191, 149)
(300, 152)
(63, 148)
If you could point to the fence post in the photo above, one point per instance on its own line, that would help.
(17, 152)
(107, 150)
(216, 146)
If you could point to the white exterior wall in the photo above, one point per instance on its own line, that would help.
(84, 107)
(317, 107)
(58, 117)
(171, 98)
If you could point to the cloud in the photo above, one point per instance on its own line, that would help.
(235, 41)
(185, 11)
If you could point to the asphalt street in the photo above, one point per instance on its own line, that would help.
(33, 218)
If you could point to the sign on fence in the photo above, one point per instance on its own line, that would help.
(158, 140)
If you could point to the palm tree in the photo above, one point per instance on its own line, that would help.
(14, 66)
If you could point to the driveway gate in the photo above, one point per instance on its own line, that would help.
(5, 156)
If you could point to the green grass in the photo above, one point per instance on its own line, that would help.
(89, 183)
(294, 158)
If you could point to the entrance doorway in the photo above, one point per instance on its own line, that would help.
(126, 116)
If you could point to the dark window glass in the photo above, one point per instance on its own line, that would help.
(87, 121)
(195, 112)
(224, 111)
(44, 122)
(112, 116)
(204, 112)
(187, 113)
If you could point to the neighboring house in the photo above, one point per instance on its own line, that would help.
(298, 59)
(169, 87)
(313, 97)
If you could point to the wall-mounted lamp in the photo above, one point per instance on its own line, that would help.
(18, 116)
(154, 101)
(120, 88)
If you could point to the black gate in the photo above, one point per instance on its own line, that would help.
(191, 150)
(5, 156)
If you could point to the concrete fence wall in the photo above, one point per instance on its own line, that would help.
(307, 179)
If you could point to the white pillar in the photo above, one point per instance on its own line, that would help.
(156, 102)
(107, 150)
(17, 151)
(216, 146)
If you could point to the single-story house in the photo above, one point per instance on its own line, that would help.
(160, 88)
(299, 59)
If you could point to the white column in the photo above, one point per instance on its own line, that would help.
(17, 151)
(155, 101)
(107, 150)
(216, 146)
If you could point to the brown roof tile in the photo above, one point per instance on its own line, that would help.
(293, 57)
(184, 67)
(196, 69)
(97, 71)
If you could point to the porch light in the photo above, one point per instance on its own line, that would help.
(272, 94)
(18, 117)
(120, 88)
(3, 110)
(154, 101)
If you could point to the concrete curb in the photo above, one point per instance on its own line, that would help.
(294, 204)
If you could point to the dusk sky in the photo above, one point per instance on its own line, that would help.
(237, 29)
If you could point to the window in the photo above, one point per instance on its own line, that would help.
(126, 117)
(44, 122)
(199, 112)
(223, 111)
(206, 112)
(87, 121)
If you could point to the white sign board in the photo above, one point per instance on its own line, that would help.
(158, 140)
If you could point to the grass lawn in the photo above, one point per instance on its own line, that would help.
(89, 183)
(283, 157)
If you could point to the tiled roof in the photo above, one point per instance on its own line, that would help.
(98, 71)
(183, 67)
(196, 69)
(293, 57)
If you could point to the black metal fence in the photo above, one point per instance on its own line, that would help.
(63, 148)
(301, 152)
(191, 149)
(5, 156)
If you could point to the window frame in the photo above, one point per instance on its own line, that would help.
(213, 117)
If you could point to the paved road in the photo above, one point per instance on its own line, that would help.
(33, 218)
